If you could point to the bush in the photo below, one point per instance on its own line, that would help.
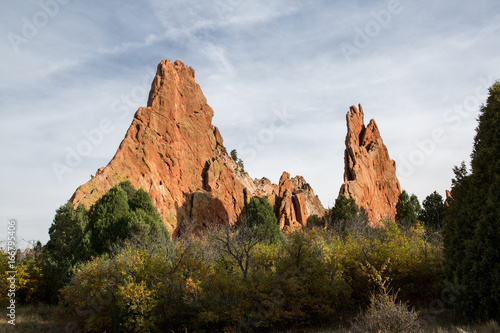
(113, 294)
(314, 221)
(313, 288)
(385, 315)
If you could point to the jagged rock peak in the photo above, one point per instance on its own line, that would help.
(369, 173)
(173, 151)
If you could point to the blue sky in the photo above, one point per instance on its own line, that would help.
(280, 76)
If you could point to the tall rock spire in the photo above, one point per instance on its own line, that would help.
(369, 173)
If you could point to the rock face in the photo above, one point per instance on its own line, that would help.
(173, 151)
(293, 200)
(369, 173)
(448, 198)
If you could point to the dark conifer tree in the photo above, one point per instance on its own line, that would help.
(471, 233)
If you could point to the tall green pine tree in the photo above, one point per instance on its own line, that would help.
(407, 209)
(471, 233)
(433, 208)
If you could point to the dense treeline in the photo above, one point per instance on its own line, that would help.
(234, 279)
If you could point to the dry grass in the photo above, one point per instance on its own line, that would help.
(31, 319)
(38, 319)
(489, 327)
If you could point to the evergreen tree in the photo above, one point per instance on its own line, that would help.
(344, 209)
(122, 213)
(66, 233)
(343, 214)
(108, 220)
(261, 221)
(234, 155)
(77, 235)
(65, 248)
(407, 209)
(433, 211)
(471, 236)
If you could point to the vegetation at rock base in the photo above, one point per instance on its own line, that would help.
(78, 235)
(408, 209)
(345, 211)
(200, 283)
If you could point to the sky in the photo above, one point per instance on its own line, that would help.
(280, 76)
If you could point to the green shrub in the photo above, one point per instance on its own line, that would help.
(314, 221)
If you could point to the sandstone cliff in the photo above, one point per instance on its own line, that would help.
(173, 151)
(369, 173)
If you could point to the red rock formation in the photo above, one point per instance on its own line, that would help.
(448, 198)
(369, 173)
(293, 200)
(306, 197)
(173, 151)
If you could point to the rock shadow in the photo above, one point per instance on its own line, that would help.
(200, 211)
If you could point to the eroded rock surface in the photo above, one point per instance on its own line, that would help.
(369, 173)
(173, 151)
